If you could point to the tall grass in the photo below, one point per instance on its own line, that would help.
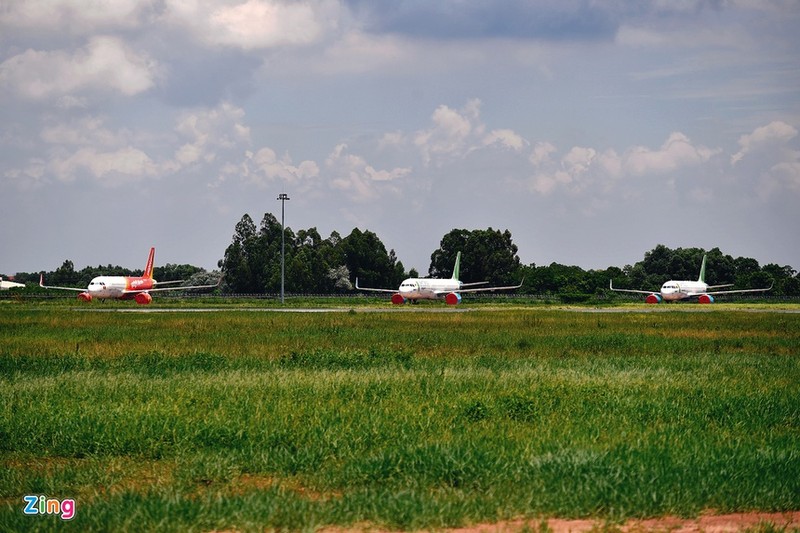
(421, 420)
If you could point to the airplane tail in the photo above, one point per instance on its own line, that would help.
(456, 267)
(148, 269)
(702, 278)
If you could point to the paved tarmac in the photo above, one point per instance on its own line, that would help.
(683, 308)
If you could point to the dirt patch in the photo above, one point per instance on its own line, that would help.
(705, 523)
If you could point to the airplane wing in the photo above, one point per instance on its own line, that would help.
(484, 289)
(474, 283)
(42, 285)
(374, 290)
(217, 284)
(611, 287)
(741, 290)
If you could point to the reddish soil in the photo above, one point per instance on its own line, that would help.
(706, 523)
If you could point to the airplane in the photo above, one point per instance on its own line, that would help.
(136, 288)
(415, 289)
(678, 290)
(5, 284)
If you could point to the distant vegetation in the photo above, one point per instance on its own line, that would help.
(317, 265)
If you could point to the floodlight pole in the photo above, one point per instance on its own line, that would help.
(283, 197)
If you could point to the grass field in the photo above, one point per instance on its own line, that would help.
(251, 420)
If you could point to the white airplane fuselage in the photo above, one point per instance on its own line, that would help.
(427, 288)
(115, 287)
(672, 290)
(5, 284)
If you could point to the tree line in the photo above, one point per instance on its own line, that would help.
(251, 264)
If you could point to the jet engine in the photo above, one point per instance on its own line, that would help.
(452, 298)
(143, 298)
(705, 299)
(653, 299)
(85, 296)
(398, 299)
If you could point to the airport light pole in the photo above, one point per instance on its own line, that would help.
(283, 197)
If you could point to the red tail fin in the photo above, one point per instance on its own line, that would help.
(148, 270)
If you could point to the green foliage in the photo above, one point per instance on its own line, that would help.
(486, 255)
(170, 272)
(366, 258)
(312, 264)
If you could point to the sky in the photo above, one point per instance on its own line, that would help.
(591, 130)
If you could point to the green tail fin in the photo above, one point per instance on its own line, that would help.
(457, 266)
(702, 278)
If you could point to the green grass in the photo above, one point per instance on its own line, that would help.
(245, 421)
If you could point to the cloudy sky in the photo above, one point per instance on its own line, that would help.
(592, 130)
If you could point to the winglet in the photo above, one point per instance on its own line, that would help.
(148, 269)
(702, 278)
(456, 267)
(41, 279)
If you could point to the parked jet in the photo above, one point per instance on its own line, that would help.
(678, 290)
(125, 287)
(5, 284)
(415, 289)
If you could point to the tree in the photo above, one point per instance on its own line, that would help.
(202, 277)
(366, 258)
(236, 264)
(65, 275)
(170, 272)
(340, 277)
(486, 255)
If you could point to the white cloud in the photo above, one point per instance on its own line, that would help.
(789, 173)
(775, 133)
(574, 172)
(578, 160)
(676, 152)
(585, 170)
(71, 16)
(210, 130)
(28, 178)
(108, 168)
(352, 174)
(254, 24)
(264, 166)
(105, 63)
(456, 133)
(546, 183)
(392, 139)
(82, 132)
(541, 153)
(87, 148)
(505, 138)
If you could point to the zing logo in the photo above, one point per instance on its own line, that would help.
(40, 505)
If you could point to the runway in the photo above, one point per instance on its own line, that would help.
(277, 310)
(682, 308)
